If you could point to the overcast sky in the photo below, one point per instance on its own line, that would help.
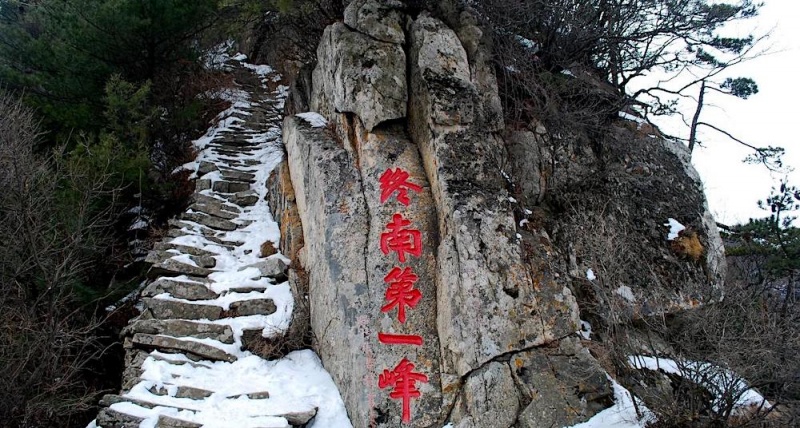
(767, 118)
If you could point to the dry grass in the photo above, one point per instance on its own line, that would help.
(267, 249)
(688, 245)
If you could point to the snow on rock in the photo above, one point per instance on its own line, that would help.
(314, 119)
(718, 381)
(586, 330)
(297, 382)
(625, 292)
(529, 44)
(628, 116)
(675, 228)
(622, 414)
(139, 224)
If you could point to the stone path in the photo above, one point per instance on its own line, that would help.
(216, 302)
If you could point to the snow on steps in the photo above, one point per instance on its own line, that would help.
(187, 362)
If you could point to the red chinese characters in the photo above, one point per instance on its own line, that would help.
(401, 239)
(400, 339)
(403, 380)
(401, 292)
(397, 181)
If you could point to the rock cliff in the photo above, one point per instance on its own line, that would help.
(447, 258)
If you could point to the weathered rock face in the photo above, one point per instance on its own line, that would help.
(361, 75)
(493, 305)
(381, 20)
(486, 327)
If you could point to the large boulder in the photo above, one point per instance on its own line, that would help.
(358, 74)
(381, 20)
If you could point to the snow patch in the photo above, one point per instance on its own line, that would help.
(314, 119)
(632, 118)
(675, 228)
(625, 292)
(720, 382)
(527, 43)
(296, 382)
(622, 414)
(590, 274)
(139, 224)
(586, 330)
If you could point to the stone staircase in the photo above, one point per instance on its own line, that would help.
(218, 292)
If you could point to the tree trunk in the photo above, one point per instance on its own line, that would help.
(696, 118)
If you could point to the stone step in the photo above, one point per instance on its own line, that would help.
(245, 223)
(171, 267)
(297, 418)
(243, 199)
(219, 241)
(207, 234)
(233, 140)
(185, 249)
(215, 207)
(172, 344)
(158, 256)
(214, 211)
(181, 328)
(271, 267)
(227, 152)
(210, 235)
(110, 399)
(235, 175)
(175, 223)
(108, 418)
(202, 184)
(189, 290)
(182, 391)
(236, 144)
(193, 393)
(212, 200)
(243, 289)
(242, 115)
(238, 162)
(164, 309)
(209, 221)
(244, 308)
(205, 167)
(180, 362)
(165, 421)
(229, 186)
